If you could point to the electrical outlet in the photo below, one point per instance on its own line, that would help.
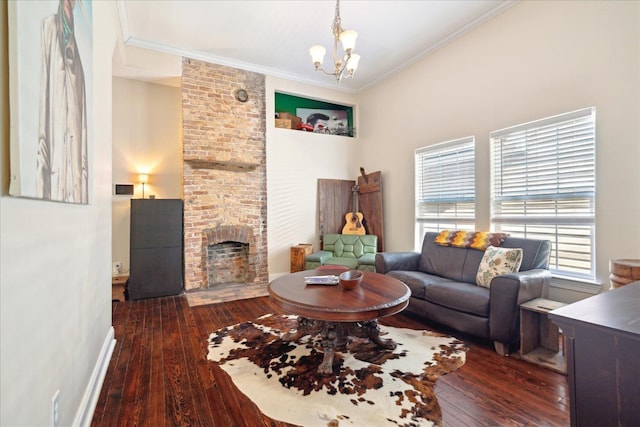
(117, 267)
(55, 409)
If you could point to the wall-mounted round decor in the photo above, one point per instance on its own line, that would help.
(242, 95)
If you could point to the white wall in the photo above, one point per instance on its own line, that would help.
(147, 137)
(537, 59)
(55, 268)
(295, 162)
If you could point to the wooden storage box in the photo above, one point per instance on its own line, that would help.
(541, 341)
(287, 120)
(298, 254)
(283, 123)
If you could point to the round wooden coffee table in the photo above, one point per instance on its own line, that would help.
(336, 313)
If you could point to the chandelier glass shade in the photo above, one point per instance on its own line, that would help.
(344, 64)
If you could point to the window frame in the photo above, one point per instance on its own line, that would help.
(464, 152)
(573, 172)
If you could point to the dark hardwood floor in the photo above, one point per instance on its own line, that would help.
(159, 375)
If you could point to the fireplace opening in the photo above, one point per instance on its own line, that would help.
(228, 262)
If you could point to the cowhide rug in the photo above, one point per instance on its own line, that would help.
(369, 386)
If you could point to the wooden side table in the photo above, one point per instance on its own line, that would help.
(298, 254)
(118, 285)
(539, 337)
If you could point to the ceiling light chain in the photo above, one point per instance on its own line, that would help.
(349, 62)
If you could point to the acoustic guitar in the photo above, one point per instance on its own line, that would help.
(354, 219)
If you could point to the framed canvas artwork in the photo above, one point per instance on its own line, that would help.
(325, 121)
(50, 79)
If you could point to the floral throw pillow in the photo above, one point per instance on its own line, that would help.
(497, 261)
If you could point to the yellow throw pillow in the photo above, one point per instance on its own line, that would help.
(497, 261)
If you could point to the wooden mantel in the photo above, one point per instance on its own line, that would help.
(228, 165)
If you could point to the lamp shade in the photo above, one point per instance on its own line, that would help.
(352, 64)
(317, 53)
(348, 39)
(143, 178)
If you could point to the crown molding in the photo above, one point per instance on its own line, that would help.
(131, 40)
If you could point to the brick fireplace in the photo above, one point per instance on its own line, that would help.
(229, 258)
(225, 225)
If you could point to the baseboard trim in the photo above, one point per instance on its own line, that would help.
(92, 393)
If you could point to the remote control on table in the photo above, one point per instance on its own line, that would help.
(321, 280)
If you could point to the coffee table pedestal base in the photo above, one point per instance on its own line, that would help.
(336, 335)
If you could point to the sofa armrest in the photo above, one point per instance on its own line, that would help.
(508, 291)
(367, 259)
(389, 261)
(319, 256)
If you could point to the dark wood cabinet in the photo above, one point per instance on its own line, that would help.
(156, 267)
(603, 357)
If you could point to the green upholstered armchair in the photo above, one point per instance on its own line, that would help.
(353, 251)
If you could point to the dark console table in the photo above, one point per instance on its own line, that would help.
(603, 357)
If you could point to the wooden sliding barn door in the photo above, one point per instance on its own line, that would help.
(335, 201)
(370, 200)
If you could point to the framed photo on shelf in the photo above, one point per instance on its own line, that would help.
(334, 122)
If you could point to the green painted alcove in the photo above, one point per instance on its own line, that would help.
(290, 103)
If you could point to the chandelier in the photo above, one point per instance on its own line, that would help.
(343, 65)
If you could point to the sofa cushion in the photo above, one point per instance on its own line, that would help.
(350, 245)
(535, 253)
(367, 259)
(464, 297)
(319, 257)
(417, 281)
(370, 243)
(367, 267)
(352, 263)
(497, 261)
(458, 264)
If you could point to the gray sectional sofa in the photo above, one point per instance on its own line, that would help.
(443, 286)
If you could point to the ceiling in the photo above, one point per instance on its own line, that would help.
(274, 37)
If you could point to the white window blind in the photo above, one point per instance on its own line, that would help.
(543, 186)
(445, 187)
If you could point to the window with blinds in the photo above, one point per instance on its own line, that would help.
(445, 187)
(543, 187)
